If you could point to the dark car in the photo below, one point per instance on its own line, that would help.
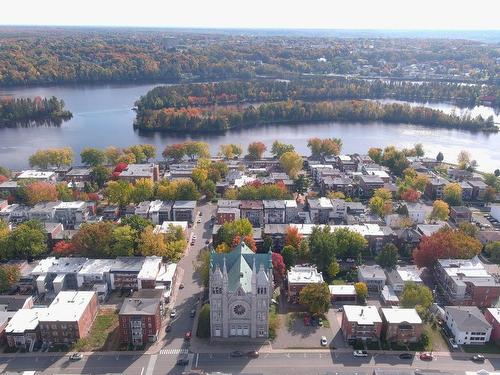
(236, 354)
(253, 354)
(478, 358)
(192, 313)
(182, 362)
(168, 328)
(405, 356)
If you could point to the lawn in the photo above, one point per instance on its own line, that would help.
(103, 335)
(486, 348)
(437, 342)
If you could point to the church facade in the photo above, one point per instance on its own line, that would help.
(241, 287)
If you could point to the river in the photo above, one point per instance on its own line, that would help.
(102, 116)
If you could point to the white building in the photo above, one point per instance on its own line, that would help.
(373, 276)
(467, 324)
(31, 174)
(398, 277)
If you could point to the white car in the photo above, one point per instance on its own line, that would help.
(360, 353)
(324, 341)
(173, 313)
(76, 356)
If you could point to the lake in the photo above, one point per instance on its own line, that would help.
(102, 116)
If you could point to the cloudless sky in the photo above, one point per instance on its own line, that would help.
(331, 14)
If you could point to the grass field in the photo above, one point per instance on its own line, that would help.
(103, 334)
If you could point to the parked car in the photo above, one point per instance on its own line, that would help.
(307, 320)
(168, 328)
(340, 309)
(253, 354)
(324, 341)
(173, 313)
(478, 358)
(426, 357)
(236, 354)
(181, 286)
(182, 362)
(207, 242)
(187, 335)
(453, 344)
(76, 356)
(406, 356)
(192, 313)
(199, 220)
(360, 353)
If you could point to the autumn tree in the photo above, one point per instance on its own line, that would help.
(381, 202)
(395, 160)
(446, 243)
(150, 243)
(92, 156)
(63, 248)
(143, 190)
(493, 251)
(256, 150)
(316, 297)
(230, 230)
(361, 291)
(94, 239)
(463, 159)
(333, 268)
(279, 268)
(37, 192)
(278, 149)
(452, 194)
(490, 195)
(181, 189)
(174, 152)
(440, 210)
(292, 163)
(230, 151)
(324, 147)
(112, 154)
(199, 176)
(293, 237)
(197, 149)
(375, 154)
(388, 256)
(9, 275)
(410, 195)
(56, 157)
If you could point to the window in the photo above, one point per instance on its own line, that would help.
(239, 310)
(261, 290)
(216, 290)
(261, 332)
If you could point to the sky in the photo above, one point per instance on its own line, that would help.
(314, 14)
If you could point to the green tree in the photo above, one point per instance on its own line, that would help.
(100, 175)
(292, 163)
(316, 297)
(452, 194)
(209, 189)
(230, 230)
(375, 154)
(203, 329)
(469, 229)
(256, 150)
(361, 291)
(289, 254)
(202, 266)
(198, 149)
(493, 251)
(419, 150)
(143, 190)
(381, 202)
(388, 257)
(92, 156)
(112, 155)
(333, 268)
(348, 243)
(416, 296)
(27, 240)
(278, 149)
(94, 239)
(136, 222)
(123, 241)
(322, 246)
(440, 157)
(301, 184)
(64, 193)
(119, 192)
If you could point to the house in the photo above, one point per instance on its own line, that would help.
(253, 211)
(467, 325)
(14, 213)
(53, 275)
(300, 276)
(342, 184)
(139, 321)
(15, 302)
(166, 278)
(8, 187)
(368, 184)
(389, 296)
(460, 214)
(22, 330)
(71, 214)
(361, 323)
(69, 317)
(407, 239)
(459, 174)
(466, 190)
(134, 172)
(227, 214)
(346, 163)
(184, 211)
(339, 209)
(160, 211)
(79, 174)
(320, 210)
(165, 227)
(355, 208)
(398, 277)
(111, 212)
(47, 176)
(478, 189)
(342, 293)
(274, 211)
(402, 325)
(418, 212)
(291, 211)
(492, 315)
(240, 291)
(430, 229)
(373, 276)
(467, 282)
(142, 209)
(434, 188)
(43, 211)
(146, 278)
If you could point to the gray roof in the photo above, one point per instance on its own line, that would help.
(468, 318)
(371, 179)
(372, 272)
(228, 203)
(12, 303)
(140, 306)
(276, 204)
(185, 205)
(239, 264)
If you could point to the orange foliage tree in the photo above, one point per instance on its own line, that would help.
(37, 192)
(293, 237)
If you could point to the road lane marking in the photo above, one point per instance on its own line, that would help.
(151, 364)
(174, 351)
(142, 370)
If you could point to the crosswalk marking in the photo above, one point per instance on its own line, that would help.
(174, 351)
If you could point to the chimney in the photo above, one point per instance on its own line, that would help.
(361, 313)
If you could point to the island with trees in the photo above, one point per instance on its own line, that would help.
(36, 111)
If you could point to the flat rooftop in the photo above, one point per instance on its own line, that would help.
(61, 265)
(363, 315)
(342, 290)
(140, 306)
(150, 268)
(304, 275)
(31, 173)
(68, 306)
(398, 315)
(25, 320)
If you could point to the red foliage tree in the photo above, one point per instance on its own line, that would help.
(293, 237)
(281, 185)
(410, 195)
(63, 248)
(248, 240)
(120, 167)
(256, 150)
(279, 268)
(37, 192)
(93, 197)
(3, 178)
(445, 243)
(255, 183)
(115, 175)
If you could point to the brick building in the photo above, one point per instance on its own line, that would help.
(300, 276)
(140, 320)
(402, 325)
(361, 322)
